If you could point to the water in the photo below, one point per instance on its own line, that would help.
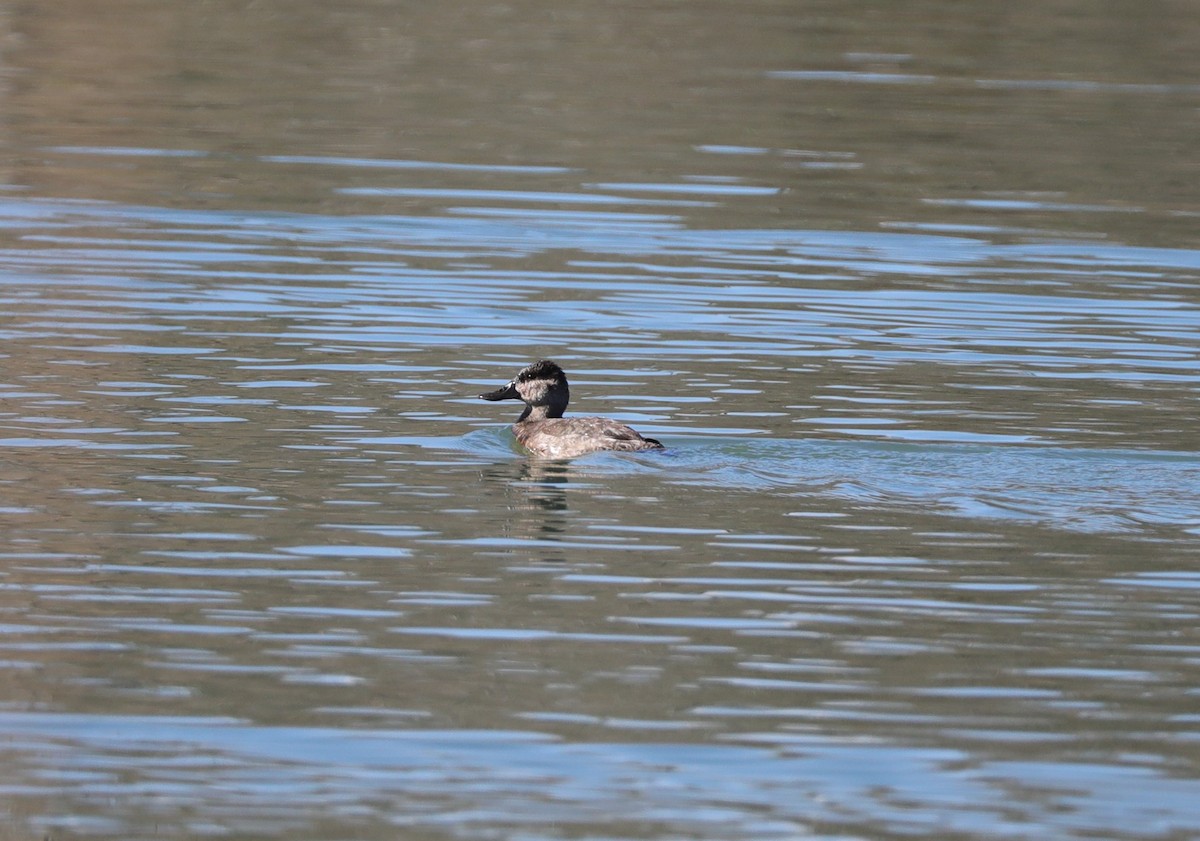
(916, 318)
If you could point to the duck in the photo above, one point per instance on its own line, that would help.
(542, 430)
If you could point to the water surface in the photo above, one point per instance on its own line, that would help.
(911, 300)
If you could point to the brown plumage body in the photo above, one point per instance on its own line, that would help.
(544, 431)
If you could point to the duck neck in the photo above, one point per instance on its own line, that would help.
(541, 412)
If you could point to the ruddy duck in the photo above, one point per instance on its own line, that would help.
(544, 431)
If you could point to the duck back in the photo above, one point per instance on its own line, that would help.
(570, 437)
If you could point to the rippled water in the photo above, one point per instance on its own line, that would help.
(919, 559)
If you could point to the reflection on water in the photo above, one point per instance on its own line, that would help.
(919, 557)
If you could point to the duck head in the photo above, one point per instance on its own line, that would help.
(543, 388)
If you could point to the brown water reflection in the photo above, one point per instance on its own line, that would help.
(909, 292)
(1065, 104)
